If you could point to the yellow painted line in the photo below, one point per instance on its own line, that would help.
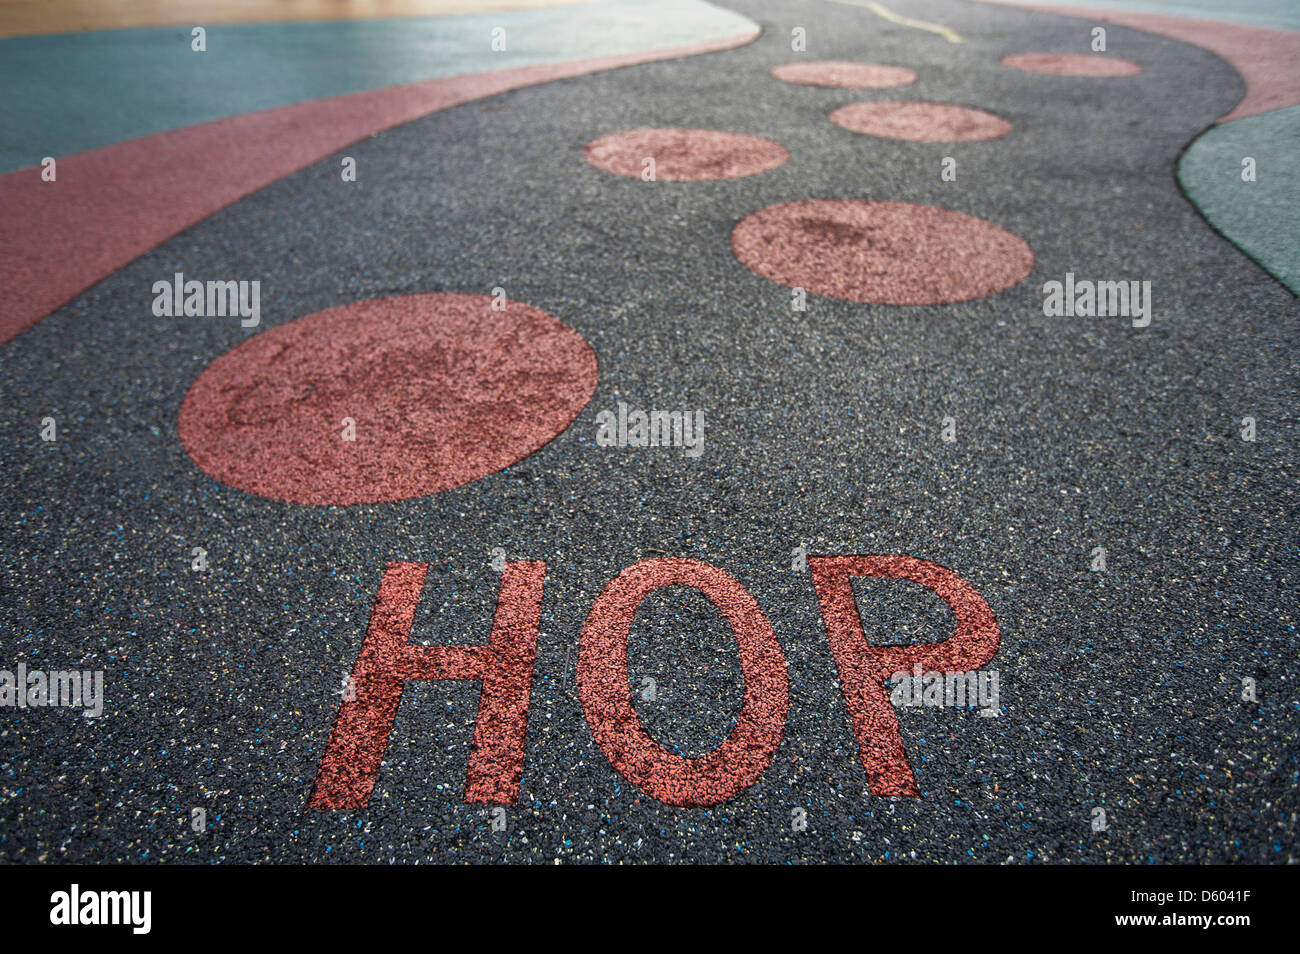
(31, 17)
(880, 10)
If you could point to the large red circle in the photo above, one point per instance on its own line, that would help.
(442, 390)
(889, 253)
(840, 74)
(920, 122)
(685, 155)
(1071, 64)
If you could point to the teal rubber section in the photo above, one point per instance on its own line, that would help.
(67, 93)
(1262, 218)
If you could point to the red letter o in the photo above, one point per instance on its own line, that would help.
(606, 696)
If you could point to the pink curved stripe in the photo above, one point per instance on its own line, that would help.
(110, 205)
(1268, 60)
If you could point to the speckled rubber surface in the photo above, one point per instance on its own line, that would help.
(1120, 689)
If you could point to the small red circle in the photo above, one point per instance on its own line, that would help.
(1071, 64)
(920, 122)
(840, 74)
(684, 155)
(438, 391)
(888, 253)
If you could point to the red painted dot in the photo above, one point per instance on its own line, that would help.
(889, 253)
(684, 155)
(839, 74)
(921, 122)
(1071, 64)
(442, 390)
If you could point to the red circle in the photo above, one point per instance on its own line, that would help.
(887, 253)
(685, 155)
(1071, 64)
(442, 390)
(841, 74)
(920, 122)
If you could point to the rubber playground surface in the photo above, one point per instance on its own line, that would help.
(774, 432)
